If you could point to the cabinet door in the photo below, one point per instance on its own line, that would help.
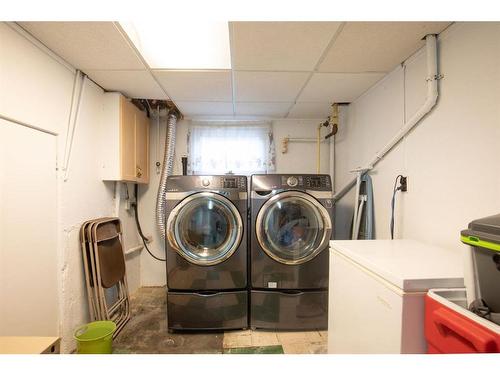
(142, 147)
(127, 140)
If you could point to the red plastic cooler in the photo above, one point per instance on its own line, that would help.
(451, 328)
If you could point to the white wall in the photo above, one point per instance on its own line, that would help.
(300, 158)
(28, 232)
(451, 157)
(36, 89)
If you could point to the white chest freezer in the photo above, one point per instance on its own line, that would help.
(377, 290)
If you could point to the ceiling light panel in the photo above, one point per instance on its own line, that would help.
(281, 46)
(87, 45)
(268, 86)
(196, 85)
(177, 44)
(338, 87)
(376, 46)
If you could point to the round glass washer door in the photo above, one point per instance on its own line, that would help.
(293, 227)
(205, 228)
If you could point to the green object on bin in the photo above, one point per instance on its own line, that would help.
(95, 337)
(476, 241)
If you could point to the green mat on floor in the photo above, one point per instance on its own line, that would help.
(273, 349)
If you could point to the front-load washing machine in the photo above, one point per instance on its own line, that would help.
(206, 252)
(291, 226)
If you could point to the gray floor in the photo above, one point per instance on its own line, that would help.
(146, 332)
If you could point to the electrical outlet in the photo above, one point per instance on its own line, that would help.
(403, 183)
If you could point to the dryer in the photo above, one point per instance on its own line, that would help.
(206, 252)
(291, 226)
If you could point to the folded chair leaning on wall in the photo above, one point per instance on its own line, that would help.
(105, 273)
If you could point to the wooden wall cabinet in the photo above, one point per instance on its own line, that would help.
(124, 142)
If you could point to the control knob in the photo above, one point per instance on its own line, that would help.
(292, 181)
(205, 182)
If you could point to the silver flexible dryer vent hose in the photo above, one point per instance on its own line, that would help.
(167, 170)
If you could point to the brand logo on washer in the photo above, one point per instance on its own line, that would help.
(328, 203)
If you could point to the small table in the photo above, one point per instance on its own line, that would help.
(29, 345)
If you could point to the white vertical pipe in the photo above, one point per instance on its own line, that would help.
(432, 95)
(430, 102)
(76, 81)
(356, 205)
(75, 122)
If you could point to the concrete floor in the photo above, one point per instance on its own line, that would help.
(146, 332)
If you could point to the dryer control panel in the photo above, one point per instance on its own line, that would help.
(306, 182)
(318, 182)
(312, 182)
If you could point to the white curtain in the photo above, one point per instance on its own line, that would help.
(239, 147)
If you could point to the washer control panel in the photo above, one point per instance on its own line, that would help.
(224, 182)
(177, 183)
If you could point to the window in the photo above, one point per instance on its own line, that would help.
(230, 147)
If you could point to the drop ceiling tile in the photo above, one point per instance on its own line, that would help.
(337, 87)
(282, 46)
(263, 109)
(87, 45)
(268, 86)
(193, 85)
(132, 83)
(376, 46)
(190, 109)
(310, 110)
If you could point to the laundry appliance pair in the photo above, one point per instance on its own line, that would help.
(248, 252)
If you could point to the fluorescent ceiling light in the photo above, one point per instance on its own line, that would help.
(176, 44)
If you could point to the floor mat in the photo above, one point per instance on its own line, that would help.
(273, 349)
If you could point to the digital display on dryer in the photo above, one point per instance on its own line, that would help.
(315, 182)
(230, 183)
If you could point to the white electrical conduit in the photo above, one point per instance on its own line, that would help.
(430, 102)
(70, 134)
(76, 81)
(25, 124)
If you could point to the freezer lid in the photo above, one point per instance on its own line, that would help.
(484, 232)
(409, 265)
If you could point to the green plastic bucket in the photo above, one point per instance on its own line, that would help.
(95, 337)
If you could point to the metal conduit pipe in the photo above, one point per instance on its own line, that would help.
(430, 102)
(167, 170)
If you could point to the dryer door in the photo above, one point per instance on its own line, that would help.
(293, 227)
(205, 228)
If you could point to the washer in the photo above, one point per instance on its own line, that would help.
(206, 250)
(291, 226)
